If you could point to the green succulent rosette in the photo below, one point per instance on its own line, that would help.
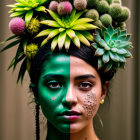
(26, 8)
(112, 46)
(64, 29)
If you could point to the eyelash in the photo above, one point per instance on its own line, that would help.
(90, 85)
(49, 85)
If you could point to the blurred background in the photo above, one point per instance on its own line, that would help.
(121, 122)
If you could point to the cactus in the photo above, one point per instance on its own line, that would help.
(92, 2)
(98, 23)
(80, 4)
(92, 13)
(122, 25)
(124, 15)
(109, 1)
(115, 10)
(118, 1)
(102, 6)
(106, 20)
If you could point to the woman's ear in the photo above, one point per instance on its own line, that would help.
(36, 98)
(104, 90)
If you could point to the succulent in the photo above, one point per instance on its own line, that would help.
(34, 26)
(98, 23)
(92, 13)
(31, 50)
(17, 25)
(124, 15)
(106, 20)
(53, 5)
(69, 28)
(102, 6)
(64, 8)
(112, 48)
(115, 10)
(80, 4)
(92, 3)
(26, 8)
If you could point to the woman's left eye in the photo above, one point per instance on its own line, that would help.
(85, 86)
(54, 85)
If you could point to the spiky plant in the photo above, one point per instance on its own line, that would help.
(112, 46)
(67, 29)
(26, 8)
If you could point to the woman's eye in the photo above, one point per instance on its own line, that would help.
(53, 85)
(85, 86)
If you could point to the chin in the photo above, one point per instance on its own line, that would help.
(76, 127)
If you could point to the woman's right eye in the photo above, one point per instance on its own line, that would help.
(53, 85)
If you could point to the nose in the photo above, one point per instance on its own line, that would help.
(70, 98)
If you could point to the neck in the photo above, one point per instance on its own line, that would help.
(87, 133)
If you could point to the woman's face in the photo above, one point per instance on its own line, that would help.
(69, 91)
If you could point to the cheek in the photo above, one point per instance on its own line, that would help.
(90, 105)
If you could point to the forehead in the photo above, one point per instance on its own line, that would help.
(67, 65)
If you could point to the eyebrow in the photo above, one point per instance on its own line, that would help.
(53, 76)
(84, 76)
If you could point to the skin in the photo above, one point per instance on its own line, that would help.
(69, 83)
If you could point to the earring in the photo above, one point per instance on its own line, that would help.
(101, 102)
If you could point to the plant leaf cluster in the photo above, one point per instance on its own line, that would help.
(112, 46)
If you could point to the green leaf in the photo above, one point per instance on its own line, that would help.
(95, 46)
(54, 43)
(16, 14)
(123, 32)
(61, 39)
(60, 22)
(117, 43)
(107, 37)
(122, 65)
(128, 54)
(123, 44)
(19, 50)
(106, 57)
(109, 65)
(67, 42)
(11, 45)
(127, 37)
(76, 17)
(115, 66)
(88, 35)
(25, 43)
(98, 32)
(100, 63)
(114, 56)
(114, 50)
(128, 47)
(121, 58)
(114, 36)
(28, 17)
(13, 61)
(72, 14)
(22, 71)
(100, 52)
(76, 41)
(43, 2)
(70, 33)
(41, 9)
(103, 31)
(44, 32)
(44, 42)
(107, 48)
(23, 2)
(14, 36)
(117, 30)
(102, 43)
(122, 51)
(97, 38)
(110, 30)
(122, 37)
(42, 15)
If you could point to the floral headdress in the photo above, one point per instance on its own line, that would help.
(70, 21)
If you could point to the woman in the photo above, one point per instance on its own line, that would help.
(69, 89)
(70, 74)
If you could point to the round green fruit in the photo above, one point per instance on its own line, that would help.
(92, 13)
(102, 6)
(106, 20)
(92, 2)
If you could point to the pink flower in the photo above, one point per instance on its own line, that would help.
(53, 5)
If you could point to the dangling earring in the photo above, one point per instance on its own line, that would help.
(101, 102)
(37, 122)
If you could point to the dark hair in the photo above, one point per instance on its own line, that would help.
(85, 53)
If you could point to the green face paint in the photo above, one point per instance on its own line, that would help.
(53, 85)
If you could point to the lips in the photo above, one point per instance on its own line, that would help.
(69, 115)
